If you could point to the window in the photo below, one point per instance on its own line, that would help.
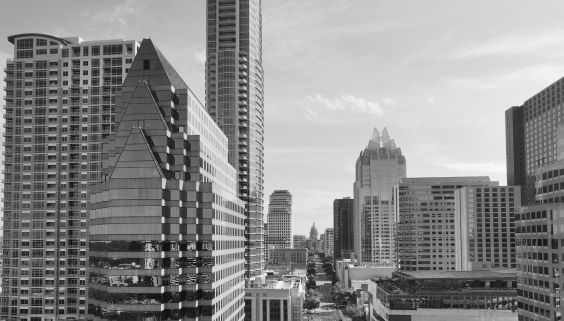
(95, 50)
(21, 54)
(41, 52)
(40, 42)
(128, 60)
(146, 64)
(25, 43)
(111, 50)
(85, 63)
(85, 72)
(54, 51)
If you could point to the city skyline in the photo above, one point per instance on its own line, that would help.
(431, 67)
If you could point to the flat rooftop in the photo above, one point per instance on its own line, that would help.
(458, 275)
(461, 179)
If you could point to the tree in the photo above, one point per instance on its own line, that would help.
(311, 284)
(311, 265)
(311, 303)
(354, 312)
(334, 278)
(327, 259)
(321, 255)
(342, 295)
(327, 266)
(311, 271)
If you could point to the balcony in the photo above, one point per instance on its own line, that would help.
(75, 66)
(243, 88)
(227, 21)
(243, 66)
(230, 13)
(243, 103)
(223, 5)
(227, 27)
(243, 110)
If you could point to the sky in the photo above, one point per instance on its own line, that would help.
(438, 75)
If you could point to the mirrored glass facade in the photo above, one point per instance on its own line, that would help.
(235, 100)
(167, 227)
(59, 106)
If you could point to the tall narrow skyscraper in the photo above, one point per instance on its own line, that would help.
(378, 168)
(280, 221)
(343, 223)
(59, 107)
(234, 99)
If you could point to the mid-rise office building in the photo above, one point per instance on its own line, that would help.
(299, 241)
(343, 224)
(379, 167)
(530, 131)
(444, 296)
(278, 299)
(167, 228)
(60, 105)
(328, 242)
(295, 258)
(280, 220)
(484, 216)
(235, 100)
(426, 223)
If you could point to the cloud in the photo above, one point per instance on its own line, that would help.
(430, 100)
(389, 102)
(545, 43)
(111, 21)
(483, 168)
(201, 56)
(346, 103)
(542, 74)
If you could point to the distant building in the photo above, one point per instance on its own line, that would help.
(313, 233)
(299, 241)
(484, 216)
(328, 244)
(378, 168)
(343, 224)
(280, 220)
(426, 228)
(444, 296)
(355, 276)
(295, 257)
(278, 299)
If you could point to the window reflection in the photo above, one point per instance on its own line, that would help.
(150, 246)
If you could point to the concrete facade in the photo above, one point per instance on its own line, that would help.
(60, 106)
(277, 300)
(426, 228)
(484, 216)
(280, 221)
(328, 242)
(290, 257)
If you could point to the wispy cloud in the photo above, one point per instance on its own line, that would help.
(348, 103)
(389, 102)
(430, 100)
(201, 56)
(545, 43)
(479, 168)
(545, 73)
(109, 22)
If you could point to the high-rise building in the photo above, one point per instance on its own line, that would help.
(59, 107)
(167, 228)
(328, 244)
(235, 100)
(343, 224)
(484, 216)
(426, 223)
(378, 168)
(530, 132)
(539, 238)
(280, 221)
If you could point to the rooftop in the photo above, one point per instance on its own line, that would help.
(458, 275)
(464, 179)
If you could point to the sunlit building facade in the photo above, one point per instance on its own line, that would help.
(59, 106)
(235, 101)
(280, 221)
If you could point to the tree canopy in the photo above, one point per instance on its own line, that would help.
(311, 303)
(354, 312)
(342, 295)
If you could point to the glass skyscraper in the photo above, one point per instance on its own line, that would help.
(379, 167)
(235, 100)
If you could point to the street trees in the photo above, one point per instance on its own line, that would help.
(311, 303)
(354, 312)
(342, 295)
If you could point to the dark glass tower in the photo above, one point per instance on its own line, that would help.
(343, 219)
(530, 136)
(234, 99)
